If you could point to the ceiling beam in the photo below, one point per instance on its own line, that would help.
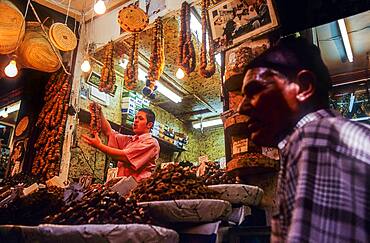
(193, 113)
(61, 8)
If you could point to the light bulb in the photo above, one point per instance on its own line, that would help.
(99, 7)
(5, 114)
(180, 74)
(11, 70)
(85, 66)
(123, 63)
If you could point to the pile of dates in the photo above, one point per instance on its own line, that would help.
(170, 183)
(214, 175)
(101, 207)
(220, 177)
(31, 209)
(20, 178)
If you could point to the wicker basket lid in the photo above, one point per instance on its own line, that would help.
(132, 19)
(36, 52)
(12, 27)
(62, 37)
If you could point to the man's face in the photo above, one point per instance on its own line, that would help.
(141, 124)
(269, 101)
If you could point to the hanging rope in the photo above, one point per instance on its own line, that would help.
(47, 37)
(69, 5)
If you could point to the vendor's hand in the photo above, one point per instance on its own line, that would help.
(95, 141)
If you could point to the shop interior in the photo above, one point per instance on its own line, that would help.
(196, 118)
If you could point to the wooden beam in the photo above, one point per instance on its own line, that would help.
(61, 8)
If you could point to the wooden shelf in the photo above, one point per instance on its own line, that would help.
(245, 166)
(84, 117)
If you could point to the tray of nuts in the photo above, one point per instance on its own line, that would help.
(188, 210)
(88, 233)
(239, 193)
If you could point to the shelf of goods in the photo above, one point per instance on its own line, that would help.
(247, 158)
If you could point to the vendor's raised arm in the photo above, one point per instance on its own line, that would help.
(105, 126)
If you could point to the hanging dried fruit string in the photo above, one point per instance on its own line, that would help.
(95, 121)
(186, 52)
(156, 65)
(108, 75)
(131, 72)
(51, 121)
(205, 70)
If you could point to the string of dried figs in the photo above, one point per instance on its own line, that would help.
(205, 70)
(51, 121)
(131, 73)
(101, 207)
(170, 183)
(156, 63)
(95, 121)
(186, 51)
(108, 75)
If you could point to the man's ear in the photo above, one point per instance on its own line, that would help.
(150, 125)
(306, 82)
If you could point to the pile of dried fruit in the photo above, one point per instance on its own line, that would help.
(172, 182)
(31, 209)
(20, 178)
(95, 121)
(186, 52)
(131, 73)
(156, 65)
(108, 75)
(101, 207)
(214, 175)
(51, 121)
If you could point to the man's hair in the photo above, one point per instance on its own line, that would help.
(291, 55)
(150, 116)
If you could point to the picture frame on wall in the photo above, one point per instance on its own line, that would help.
(233, 21)
(94, 80)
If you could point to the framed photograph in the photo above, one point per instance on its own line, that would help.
(233, 21)
(6, 134)
(94, 80)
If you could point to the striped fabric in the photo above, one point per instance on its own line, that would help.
(324, 181)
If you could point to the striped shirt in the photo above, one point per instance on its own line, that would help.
(323, 192)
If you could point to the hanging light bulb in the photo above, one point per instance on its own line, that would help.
(85, 66)
(100, 7)
(11, 70)
(180, 74)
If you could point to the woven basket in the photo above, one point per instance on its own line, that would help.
(36, 52)
(62, 37)
(132, 19)
(12, 27)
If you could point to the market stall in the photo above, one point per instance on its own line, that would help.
(83, 78)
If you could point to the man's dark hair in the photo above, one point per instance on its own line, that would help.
(291, 55)
(150, 116)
